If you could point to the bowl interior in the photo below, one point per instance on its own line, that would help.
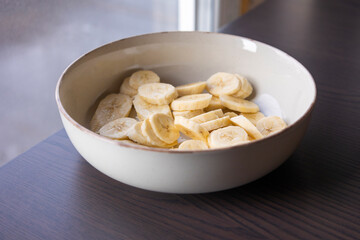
(282, 85)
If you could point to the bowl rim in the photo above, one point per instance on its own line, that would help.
(175, 151)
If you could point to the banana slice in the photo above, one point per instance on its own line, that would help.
(191, 128)
(118, 128)
(253, 117)
(208, 116)
(246, 88)
(238, 104)
(216, 123)
(151, 137)
(136, 135)
(172, 145)
(141, 77)
(215, 103)
(127, 89)
(243, 122)
(191, 102)
(188, 113)
(112, 107)
(270, 125)
(251, 138)
(222, 83)
(193, 145)
(230, 114)
(157, 93)
(145, 109)
(227, 136)
(164, 128)
(192, 88)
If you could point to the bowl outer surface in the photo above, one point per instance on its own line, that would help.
(196, 172)
(98, 73)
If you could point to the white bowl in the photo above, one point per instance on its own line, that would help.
(282, 86)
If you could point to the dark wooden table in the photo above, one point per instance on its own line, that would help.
(51, 192)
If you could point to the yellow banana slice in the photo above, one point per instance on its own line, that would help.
(270, 125)
(192, 88)
(215, 103)
(238, 104)
(208, 116)
(253, 117)
(164, 127)
(157, 93)
(222, 83)
(188, 113)
(118, 128)
(136, 135)
(191, 128)
(145, 109)
(245, 89)
(112, 107)
(251, 139)
(150, 136)
(127, 89)
(191, 102)
(216, 123)
(251, 130)
(227, 136)
(193, 145)
(172, 145)
(142, 77)
(230, 114)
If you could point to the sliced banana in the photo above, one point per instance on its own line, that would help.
(157, 93)
(222, 83)
(191, 102)
(238, 104)
(164, 127)
(216, 123)
(145, 109)
(112, 107)
(230, 114)
(172, 145)
(193, 145)
(127, 89)
(251, 139)
(215, 103)
(118, 128)
(151, 137)
(136, 135)
(142, 77)
(246, 88)
(188, 113)
(151, 101)
(270, 125)
(191, 128)
(208, 116)
(227, 136)
(192, 88)
(253, 117)
(243, 122)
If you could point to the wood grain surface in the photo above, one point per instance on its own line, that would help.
(51, 192)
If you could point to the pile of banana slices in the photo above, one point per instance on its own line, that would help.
(160, 115)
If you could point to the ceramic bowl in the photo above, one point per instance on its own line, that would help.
(282, 87)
